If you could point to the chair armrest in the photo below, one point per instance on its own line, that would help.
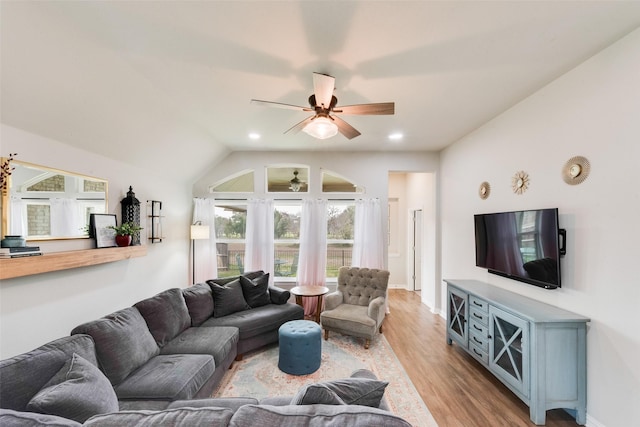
(278, 295)
(332, 300)
(376, 310)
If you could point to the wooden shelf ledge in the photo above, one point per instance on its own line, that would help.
(55, 261)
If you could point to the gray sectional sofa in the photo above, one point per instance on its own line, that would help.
(157, 363)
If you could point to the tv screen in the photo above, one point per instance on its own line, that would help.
(522, 245)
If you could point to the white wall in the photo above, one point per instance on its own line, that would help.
(593, 111)
(399, 276)
(37, 309)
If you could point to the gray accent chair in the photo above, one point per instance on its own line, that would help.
(357, 307)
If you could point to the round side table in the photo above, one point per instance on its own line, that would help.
(310, 291)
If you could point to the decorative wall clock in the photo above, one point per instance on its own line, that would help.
(576, 170)
(484, 190)
(520, 182)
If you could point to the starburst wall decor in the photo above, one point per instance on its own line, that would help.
(520, 182)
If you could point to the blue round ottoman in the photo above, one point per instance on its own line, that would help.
(300, 347)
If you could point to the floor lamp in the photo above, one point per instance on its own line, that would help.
(198, 232)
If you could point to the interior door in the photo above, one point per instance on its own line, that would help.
(417, 250)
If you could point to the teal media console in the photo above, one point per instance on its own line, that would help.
(537, 350)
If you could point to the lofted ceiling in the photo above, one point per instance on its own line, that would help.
(167, 84)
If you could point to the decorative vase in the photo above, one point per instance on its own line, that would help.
(13, 242)
(123, 241)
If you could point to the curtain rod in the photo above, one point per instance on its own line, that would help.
(49, 198)
(284, 200)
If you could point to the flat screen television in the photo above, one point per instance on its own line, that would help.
(521, 245)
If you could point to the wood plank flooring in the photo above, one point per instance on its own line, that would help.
(458, 391)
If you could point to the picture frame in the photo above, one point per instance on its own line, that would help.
(99, 229)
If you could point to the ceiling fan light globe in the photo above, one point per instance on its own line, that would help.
(321, 128)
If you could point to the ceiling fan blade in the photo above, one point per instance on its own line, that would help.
(280, 105)
(323, 86)
(299, 126)
(345, 128)
(382, 108)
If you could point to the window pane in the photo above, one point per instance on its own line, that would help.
(231, 220)
(339, 236)
(242, 183)
(338, 255)
(340, 222)
(286, 222)
(286, 259)
(288, 179)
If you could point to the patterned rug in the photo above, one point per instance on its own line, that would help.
(258, 376)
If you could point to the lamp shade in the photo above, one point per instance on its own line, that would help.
(199, 232)
(321, 128)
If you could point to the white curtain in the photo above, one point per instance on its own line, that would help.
(203, 252)
(65, 217)
(313, 249)
(18, 218)
(259, 236)
(368, 235)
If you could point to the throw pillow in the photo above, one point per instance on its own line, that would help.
(228, 299)
(166, 315)
(358, 391)
(199, 303)
(256, 291)
(312, 394)
(85, 392)
(123, 342)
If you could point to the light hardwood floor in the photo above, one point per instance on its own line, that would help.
(458, 391)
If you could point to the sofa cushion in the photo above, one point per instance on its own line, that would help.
(168, 377)
(356, 391)
(259, 320)
(166, 315)
(256, 291)
(314, 416)
(199, 300)
(212, 417)
(11, 418)
(22, 376)
(312, 394)
(84, 392)
(123, 342)
(218, 342)
(228, 299)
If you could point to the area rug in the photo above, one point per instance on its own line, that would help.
(257, 375)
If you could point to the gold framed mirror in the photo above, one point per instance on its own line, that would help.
(43, 203)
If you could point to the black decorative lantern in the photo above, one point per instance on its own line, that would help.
(131, 213)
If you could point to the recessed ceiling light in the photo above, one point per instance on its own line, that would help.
(254, 136)
(395, 136)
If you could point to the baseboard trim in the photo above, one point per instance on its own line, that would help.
(592, 422)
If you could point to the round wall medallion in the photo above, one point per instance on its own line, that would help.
(484, 190)
(520, 182)
(576, 170)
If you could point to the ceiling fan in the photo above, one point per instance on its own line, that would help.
(324, 123)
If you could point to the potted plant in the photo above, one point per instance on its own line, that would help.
(124, 232)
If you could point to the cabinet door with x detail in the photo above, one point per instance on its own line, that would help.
(457, 314)
(508, 349)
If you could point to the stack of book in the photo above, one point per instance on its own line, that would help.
(20, 252)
